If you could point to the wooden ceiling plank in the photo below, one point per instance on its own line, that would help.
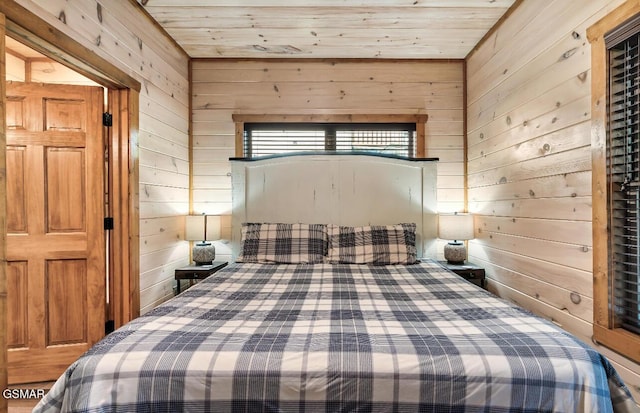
(380, 28)
(344, 52)
(150, 4)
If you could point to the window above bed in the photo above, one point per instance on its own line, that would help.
(264, 135)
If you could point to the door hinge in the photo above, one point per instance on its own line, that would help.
(107, 119)
(108, 223)
(109, 326)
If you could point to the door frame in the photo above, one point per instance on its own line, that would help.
(123, 183)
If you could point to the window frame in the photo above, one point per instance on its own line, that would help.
(605, 331)
(419, 121)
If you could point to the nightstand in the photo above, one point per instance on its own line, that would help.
(197, 272)
(468, 271)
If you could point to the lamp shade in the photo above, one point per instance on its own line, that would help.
(455, 226)
(202, 227)
(212, 227)
(194, 228)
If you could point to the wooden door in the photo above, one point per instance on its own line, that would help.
(55, 236)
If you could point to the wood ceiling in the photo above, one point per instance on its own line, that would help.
(20, 50)
(387, 29)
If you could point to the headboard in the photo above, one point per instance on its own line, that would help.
(343, 189)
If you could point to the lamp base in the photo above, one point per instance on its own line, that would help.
(455, 253)
(203, 253)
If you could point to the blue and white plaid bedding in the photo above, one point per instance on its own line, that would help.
(338, 338)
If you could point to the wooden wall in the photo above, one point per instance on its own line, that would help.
(44, 71)
(118, 32)
(224, 87)
(529, 162)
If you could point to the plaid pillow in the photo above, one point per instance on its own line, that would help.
(283, 243)
(376, 244)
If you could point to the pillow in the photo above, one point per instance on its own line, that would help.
(376, 244)
(283, 243)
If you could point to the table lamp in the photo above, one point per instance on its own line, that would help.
(203, 228)
(455, 227)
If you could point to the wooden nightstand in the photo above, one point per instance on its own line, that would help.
(197, 272)
(468, 271)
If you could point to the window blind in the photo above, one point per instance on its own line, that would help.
(274, 138)
(271, 142)
(623, 171)
(397, 142)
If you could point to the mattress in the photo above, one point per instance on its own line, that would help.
(338, 338)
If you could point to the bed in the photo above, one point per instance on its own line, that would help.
(351, 316)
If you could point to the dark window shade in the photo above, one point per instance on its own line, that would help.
(277, 138)
(623, 172)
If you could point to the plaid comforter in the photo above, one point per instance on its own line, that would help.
(338, 338)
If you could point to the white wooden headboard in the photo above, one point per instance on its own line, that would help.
(340, 189)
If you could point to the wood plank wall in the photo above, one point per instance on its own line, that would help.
(224, 87)
(529, 163)
(44, 71)
(118, 32)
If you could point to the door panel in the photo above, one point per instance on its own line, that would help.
(65, 186)
(55, 241)
(16, 209)
(64, 115)
(66, 292)
(17, 334)
(15, 112)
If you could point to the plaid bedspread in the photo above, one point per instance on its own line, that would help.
(338, 338)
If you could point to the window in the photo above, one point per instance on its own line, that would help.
(398, 135)
(275, 138)
(616, 180)
(623, 141)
